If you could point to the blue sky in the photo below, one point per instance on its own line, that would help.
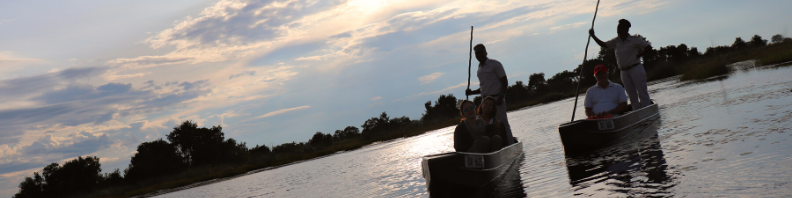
(99, 77)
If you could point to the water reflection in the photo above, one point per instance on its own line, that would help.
(635, 167)
(510, 184)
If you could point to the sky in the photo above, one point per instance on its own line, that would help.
(97, 78)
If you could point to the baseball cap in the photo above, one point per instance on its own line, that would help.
(599, 68)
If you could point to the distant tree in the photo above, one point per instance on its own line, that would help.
(757, 41)
(536, 83)
(444, 108)
(738, 43)
(112, 179)
(320, 140)
(517, 92)
(262, 150)
(693, 52)
(75, 177)
(31, 187)
(777, 38)
(154, 159)
(199, 146)
(348, 132)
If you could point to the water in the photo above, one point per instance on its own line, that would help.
(727, 137)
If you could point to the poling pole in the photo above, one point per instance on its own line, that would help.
(580, 76)
(470, 58)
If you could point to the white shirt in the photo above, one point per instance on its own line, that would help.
(604, 99)
(489, 74)
(627, 49)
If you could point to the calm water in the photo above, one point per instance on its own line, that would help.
(728, 137)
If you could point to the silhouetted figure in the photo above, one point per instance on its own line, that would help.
(492, 82)
(605, 99)
(494, 127)
(470, 134)
(629, 50)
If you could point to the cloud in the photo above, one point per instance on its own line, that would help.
(442, 91)
(568, 26)
(281, 112)
(429, 78)
(376, 98)
(246, 73)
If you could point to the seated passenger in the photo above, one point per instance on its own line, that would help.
(605, 99)
(494, 128)
(469, 135)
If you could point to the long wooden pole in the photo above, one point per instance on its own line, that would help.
(470, 58)
(580, 76)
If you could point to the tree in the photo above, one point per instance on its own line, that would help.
(320, 140)
(199, 146)
(31, 187)
(536, 83)
(757, 41)
(75, 177)
(153, 159)
(738, 43)
(777, 38)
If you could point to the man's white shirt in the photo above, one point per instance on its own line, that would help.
(627, 49)
(489, 74)
(604, 99)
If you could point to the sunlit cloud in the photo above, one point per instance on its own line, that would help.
(429, 78)
(376, 98)
(281, 112)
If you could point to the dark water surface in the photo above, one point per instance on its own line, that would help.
(728, 137)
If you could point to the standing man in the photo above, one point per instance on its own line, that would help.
(629, 50)
(492, 82)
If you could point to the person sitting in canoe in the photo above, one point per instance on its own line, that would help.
(470, 136)
(605, 99)
(494, 127)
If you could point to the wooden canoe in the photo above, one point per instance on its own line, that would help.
(469, 169)
(586, 135)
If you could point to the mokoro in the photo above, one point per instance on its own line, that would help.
(586, 135)
(469, 169)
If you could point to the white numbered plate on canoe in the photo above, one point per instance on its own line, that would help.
(605, 125)
(474, 161)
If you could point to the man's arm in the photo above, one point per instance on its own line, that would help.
(472, 92)
(504, 84)
(646, 49)
(599, 42)
(618, 110)
(589, 112)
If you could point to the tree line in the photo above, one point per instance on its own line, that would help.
(189, 147)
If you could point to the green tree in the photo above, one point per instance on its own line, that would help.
(757, 41)
(31, 187)
(738, 43)
(153, 159)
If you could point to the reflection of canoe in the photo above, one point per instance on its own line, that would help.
(507, 185)
(634, 167)
(583, 135)
(469, 169)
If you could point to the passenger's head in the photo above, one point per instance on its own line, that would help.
(623, 28)
(467, 109)
(601, 74)
(487, 108)
(481, 52)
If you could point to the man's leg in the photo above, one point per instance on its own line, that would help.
(501, 116)
(627, 80)
(639, 80)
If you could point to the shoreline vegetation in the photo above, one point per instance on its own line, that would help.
(194, 156)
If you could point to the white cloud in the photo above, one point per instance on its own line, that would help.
(429, 78)
(281, 111)
(376, 98)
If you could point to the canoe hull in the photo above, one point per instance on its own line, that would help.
(451, 168)
(586, 135)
